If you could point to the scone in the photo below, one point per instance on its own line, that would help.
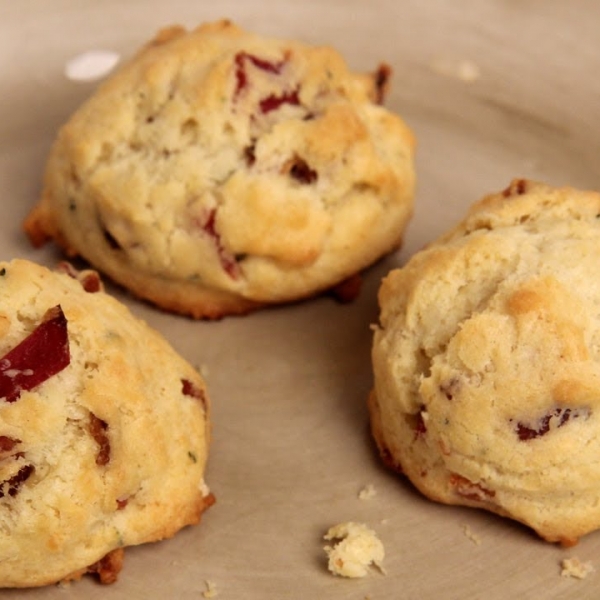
(103, 429)
(220, 171)
(487, 362)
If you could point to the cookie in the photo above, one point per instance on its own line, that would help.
(99, 448)
(487, 362)
(220, 171)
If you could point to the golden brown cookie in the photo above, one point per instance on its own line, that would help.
(99, 448)
(220, 171)
(487, 361)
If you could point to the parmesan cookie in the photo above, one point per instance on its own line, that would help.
(99, 448)
(487, 362)
(219, 171)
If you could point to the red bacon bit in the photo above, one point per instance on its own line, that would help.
(98, 429)
(7, 443)
(43, 353)
(560, 416)
(469, 490)
(517, 187)
(228, 261)
(242, 58)
(274, 102)
(108, 567)
(382, 79)
(90, 280)
(122, 503)
(208, 501)
(188, 388)
(11, 486)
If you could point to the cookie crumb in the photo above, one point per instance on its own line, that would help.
(367, 492)
(355, 549)
(471, 535)
(462, 69)
(575, 568)
(211, 589)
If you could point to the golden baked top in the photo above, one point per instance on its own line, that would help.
(487, 361)
(220, 170)
(99, 448)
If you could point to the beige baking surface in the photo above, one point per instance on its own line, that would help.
(291, 446)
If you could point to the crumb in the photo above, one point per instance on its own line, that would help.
(462, 69)
(367, 492)
(203, 370)
(211, 589)
(472, 536)
(573, 567)
(356, 547)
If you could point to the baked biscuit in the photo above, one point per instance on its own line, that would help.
(219, 171)
(99, 448)
(487, 362)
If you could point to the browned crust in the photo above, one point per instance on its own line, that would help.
(38, 226)
(108, 568)
(393, 464)
(207, 304)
